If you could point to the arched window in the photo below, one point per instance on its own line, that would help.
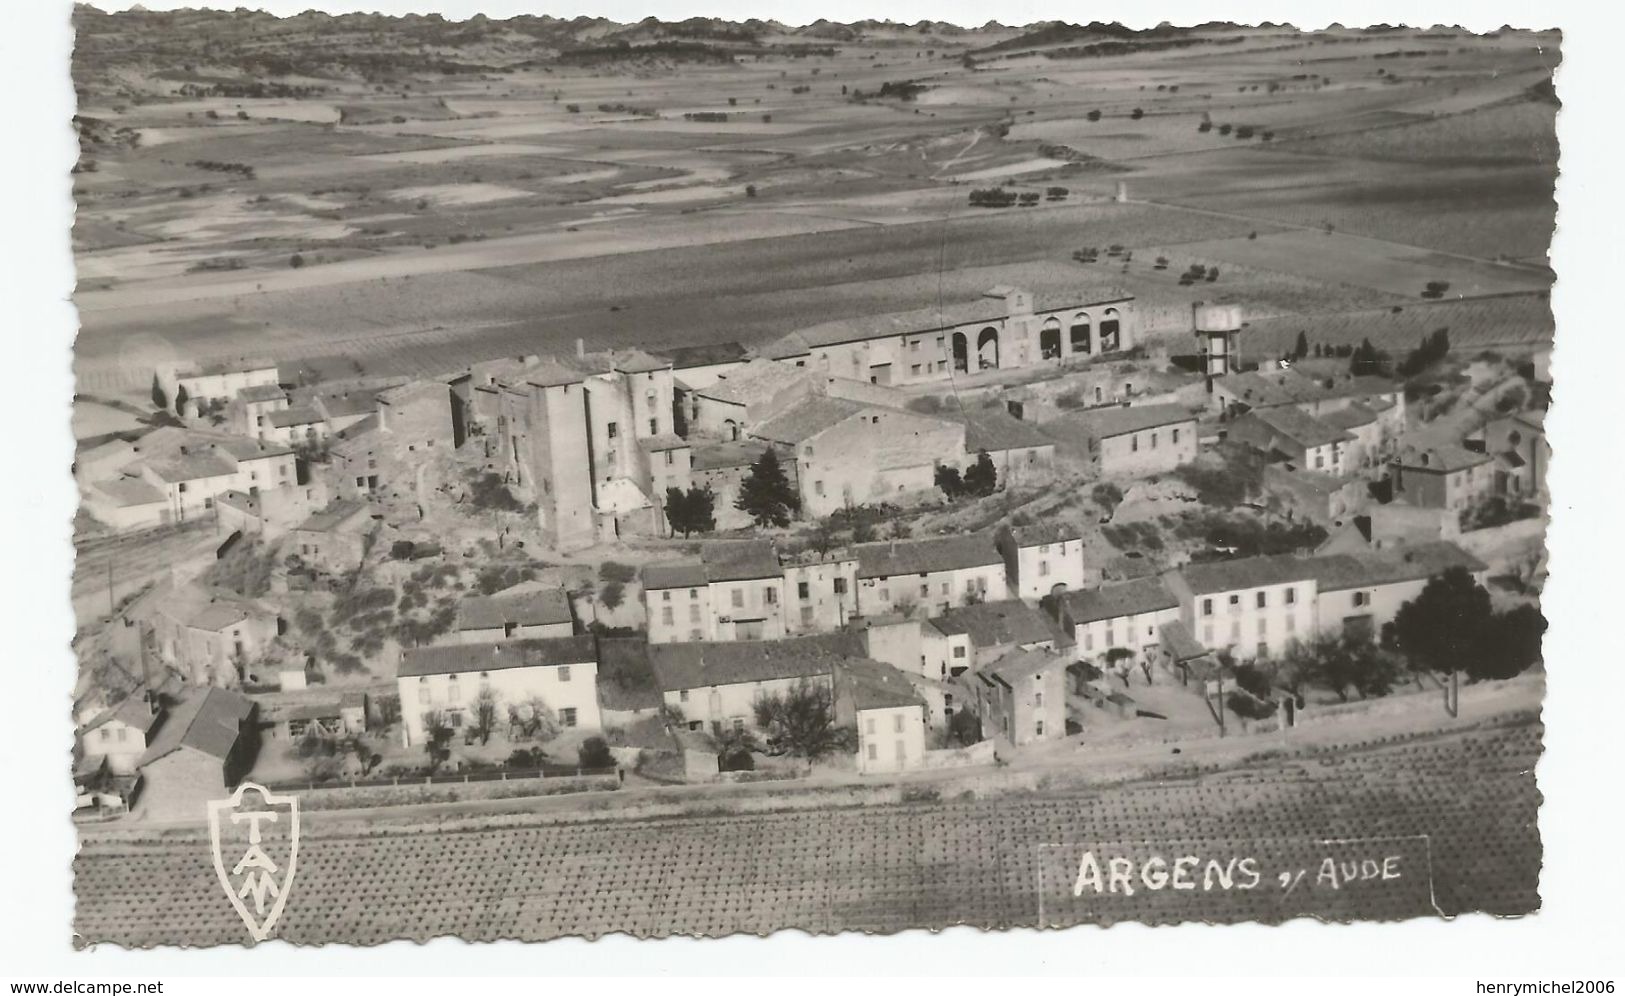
(1049, 340)
(1080, 334)
(1109, 337)
(987, 349)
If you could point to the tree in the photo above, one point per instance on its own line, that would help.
(982, 478)
(965, 728)
(160, 400)
(1354, 662)
(485, 714)
(181, 397)
(949, 482)
(691, 511)
(296, 261)
(611, 594)
(1368, 359)
(594, 753)
(800, 720)
(532, 720)
(1442, 629)
(1511, 644)
(436, 736)
(766, 495)
(1301, 350)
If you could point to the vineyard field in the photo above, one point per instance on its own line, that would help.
(1455, 815)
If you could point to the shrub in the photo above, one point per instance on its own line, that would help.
(594, 753)
(611, 570)
(1247, 707)
(488, 492)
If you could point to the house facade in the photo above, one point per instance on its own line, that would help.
(929, 575)
(1254, 608)
(847, 453)
(1136, 441)
(560, 675)
(1021, 698)
(1449, 477)
(1041, 560)
(527, 611)
(1007, 327)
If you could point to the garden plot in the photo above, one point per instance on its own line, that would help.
(1383, 266)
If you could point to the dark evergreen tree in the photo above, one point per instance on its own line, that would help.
(766, 494)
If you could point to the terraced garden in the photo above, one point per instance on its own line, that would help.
(1456, 813)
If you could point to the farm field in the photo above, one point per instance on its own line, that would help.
(441, 203)
(1403, 271)
(1456, 812)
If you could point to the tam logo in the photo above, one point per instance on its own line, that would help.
(254, 836)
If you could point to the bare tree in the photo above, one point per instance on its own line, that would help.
(485, 714)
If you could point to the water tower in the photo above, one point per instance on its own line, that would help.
(1218, 330)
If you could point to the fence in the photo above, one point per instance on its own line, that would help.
(449, 778)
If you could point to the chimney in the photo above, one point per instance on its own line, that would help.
(581, 348)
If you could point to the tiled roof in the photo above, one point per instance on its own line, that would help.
(748, 560)
(462, 658)
(1305, 430)
(1443, 459)
(1354, 415)
(663, 442)
(551, 371)
(133, 711)
(217, 616)
(406, 393)
(702, 665)
(529, 607)
(242, 448)
(1019, 664)
(926, 555)
(716, 456)
(874, 685)
(687, 574)
(359, 402)
(758, 381)
(992, 623)
(1177, 640)
(302, 415)
(1249, 572)
(1043, 533)
(995, 430)
(262, 392)
(129, 491)
(704, 355)
(193, 467)
(626, 678)
(206, 719)
(1339, 572)
(806, 418)
(339, 513)
(1107, 422)
(1131, 598)
(637, 361)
